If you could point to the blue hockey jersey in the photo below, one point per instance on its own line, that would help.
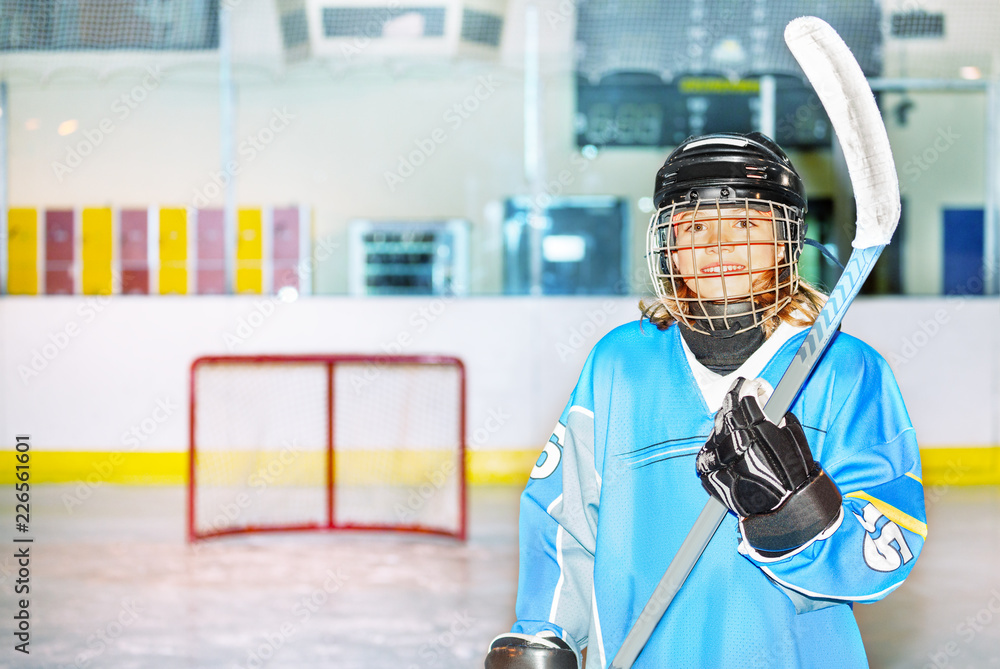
(614, 493)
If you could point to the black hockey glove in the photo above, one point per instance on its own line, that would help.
(765, 473)
(524, 651)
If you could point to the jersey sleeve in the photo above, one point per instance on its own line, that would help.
(558, 528)
(859, 431)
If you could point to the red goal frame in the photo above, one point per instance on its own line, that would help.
(330, 361)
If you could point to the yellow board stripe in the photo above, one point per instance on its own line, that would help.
(941, 467)
(947, 466)
(95, 469)
(893, 514)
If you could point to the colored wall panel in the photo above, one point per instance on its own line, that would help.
(249, 251)
(211, 271)
(22, 251)
(286, 247)
(60, 245)
(963, 251)
(97, 249)
(135, 251)
(173, 252)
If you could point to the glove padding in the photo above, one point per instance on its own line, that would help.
(525, 651)
(765, 473)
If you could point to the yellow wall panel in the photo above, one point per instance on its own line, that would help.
(173, 252)
(97, 250)
(249, 251)
(22, 251)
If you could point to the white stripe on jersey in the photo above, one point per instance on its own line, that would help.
(820, 595)
(596, 626)
(557, 591)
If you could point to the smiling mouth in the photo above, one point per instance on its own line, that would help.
(716, 269)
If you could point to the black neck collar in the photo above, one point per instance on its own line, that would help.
(724, 349)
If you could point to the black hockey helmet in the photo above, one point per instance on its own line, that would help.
(728, 166)
(716, 173)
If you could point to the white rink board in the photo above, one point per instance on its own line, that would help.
(114, 371)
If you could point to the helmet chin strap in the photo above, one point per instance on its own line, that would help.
(722, 319)
(733, 339)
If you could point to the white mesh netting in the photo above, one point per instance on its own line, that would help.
(260, 445)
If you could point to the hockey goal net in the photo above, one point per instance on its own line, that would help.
(326, 442)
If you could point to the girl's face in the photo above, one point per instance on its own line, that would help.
(720, 252)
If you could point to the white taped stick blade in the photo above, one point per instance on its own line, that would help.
(843, 89)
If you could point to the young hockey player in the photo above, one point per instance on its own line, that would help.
(826, 506)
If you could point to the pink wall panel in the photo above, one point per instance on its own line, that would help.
(211, 267)
(60, 243)
(135, 251)
(286, 247)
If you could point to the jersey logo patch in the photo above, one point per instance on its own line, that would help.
(549, 459)
(885, 546)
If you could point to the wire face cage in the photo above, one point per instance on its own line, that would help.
(717, 253)
(283, 443)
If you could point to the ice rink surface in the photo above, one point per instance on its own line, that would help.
(114, 585)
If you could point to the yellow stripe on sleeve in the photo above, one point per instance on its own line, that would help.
(893, 514)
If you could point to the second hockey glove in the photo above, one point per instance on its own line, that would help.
(765, 473)
(526, 651)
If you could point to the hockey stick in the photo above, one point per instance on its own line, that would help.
(848, 101)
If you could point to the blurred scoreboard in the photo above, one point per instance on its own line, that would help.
(655, 73)
(640, 110)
